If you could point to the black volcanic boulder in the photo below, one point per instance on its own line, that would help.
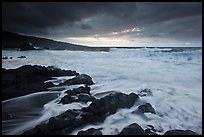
(133, 129)
(179, 132)
(26, 46)
(77, 98)
(147, 108)
(110, 103)
(90, 131)
(80, 94)
(79, 79)
(79, 90)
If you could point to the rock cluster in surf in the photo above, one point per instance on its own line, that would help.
(28, 79)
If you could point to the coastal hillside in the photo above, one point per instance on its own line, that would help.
(12, 40)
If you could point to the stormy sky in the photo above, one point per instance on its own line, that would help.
(132, 24)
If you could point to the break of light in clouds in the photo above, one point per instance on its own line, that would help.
(108, 23)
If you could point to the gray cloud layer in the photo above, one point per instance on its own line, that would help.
(175, 20)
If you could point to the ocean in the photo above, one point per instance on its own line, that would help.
(174, 78)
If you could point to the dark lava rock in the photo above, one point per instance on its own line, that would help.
(29, 79)
(26, 46)
(5, 57)
(97, 111)
(81, 94)
(77, 98)
(80, 79)
(150, 132)
(145, 92)
(90, 131)
(79, 90)
(179, 132)
(21, 57)
(146, 108)
(110, 103)
(133, 129)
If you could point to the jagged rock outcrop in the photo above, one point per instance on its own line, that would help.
(80, 79)
(29, 79)
(80, 94)
(97, 111)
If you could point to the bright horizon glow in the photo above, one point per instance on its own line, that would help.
(100, 41)
(126, 42)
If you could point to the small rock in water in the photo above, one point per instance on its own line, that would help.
(150, 130)
(147, 108)
(145, 92)
(189, 58)
(5, 57)
(21, 57)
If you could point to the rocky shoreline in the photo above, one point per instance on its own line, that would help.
(29, 79)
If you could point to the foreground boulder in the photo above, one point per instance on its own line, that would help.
(80, 79)
(29, 79)
(179, 132)
(133, 129)
(90, 131)
(97, 111)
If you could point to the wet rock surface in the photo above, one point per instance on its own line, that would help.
(132, 129)
(179, 132)
(97, 111)
(145, 92)
(29, 79)
(147, 108)
(90, 131)
(81, 94)
(80, 79)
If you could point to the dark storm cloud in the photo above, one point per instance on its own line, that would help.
(175, 20)
(36, 16)
(85, 26)
(163, 11)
